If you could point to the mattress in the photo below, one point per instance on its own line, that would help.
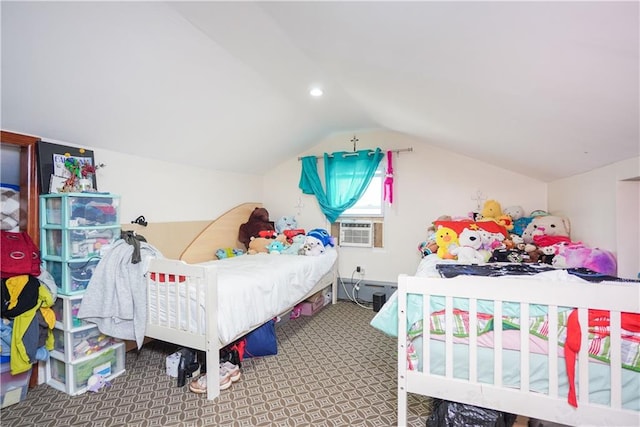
(251, 290)
(599, 373)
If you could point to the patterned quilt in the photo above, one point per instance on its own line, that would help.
(599, 334)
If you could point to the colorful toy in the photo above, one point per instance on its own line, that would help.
(578, 255)
(228, 252)
(276, 247)
(96, 382)
(446, 239)
(297, 242)
(322, 235)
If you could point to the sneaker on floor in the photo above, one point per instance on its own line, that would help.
(199, 385)
(231, 369)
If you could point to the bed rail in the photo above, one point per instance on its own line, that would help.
(552, 406)
(170, 279)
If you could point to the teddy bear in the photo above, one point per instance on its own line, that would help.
(547, 230)
(467, 251)
(258, 245)
(446, 239)
(286, 223)
(258, 221)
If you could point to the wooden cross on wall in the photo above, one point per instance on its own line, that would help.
(354, 140)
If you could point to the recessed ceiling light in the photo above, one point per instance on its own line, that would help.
(316, 91)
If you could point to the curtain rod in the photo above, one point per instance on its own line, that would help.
(399, 150)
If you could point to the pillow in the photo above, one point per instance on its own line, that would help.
(458, 226)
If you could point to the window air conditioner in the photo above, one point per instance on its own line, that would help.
(358, 233)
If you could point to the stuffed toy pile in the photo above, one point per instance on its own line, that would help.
(509, 235)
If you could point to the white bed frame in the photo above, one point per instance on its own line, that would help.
(219, 233)
(552, 407)
(203, 278)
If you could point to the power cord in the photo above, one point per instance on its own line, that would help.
(353, 294)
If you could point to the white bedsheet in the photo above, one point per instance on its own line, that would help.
(253, 289)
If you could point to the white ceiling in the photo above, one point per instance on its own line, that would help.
(546, 89)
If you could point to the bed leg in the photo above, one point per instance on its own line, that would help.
(213, 379)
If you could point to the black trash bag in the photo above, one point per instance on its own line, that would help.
(452, 414)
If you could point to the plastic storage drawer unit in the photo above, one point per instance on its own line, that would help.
(76, 242)
(72, 277)
(66, 310)
(80, 343)
(13, 387)
(72, 378)
(81, 210)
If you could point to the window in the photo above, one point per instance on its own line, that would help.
(371, 203)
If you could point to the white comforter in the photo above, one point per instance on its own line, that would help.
(255, 288)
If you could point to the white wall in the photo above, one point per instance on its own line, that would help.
(603, 208)
(429, 182)
(170, 192)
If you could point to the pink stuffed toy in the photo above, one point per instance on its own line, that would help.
(578, 255)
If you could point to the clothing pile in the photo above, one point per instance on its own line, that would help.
(28, 295)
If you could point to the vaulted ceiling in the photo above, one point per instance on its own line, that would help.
(546, 89)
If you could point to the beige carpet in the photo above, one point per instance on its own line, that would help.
(332, 369)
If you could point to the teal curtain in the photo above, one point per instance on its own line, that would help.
(347, 176)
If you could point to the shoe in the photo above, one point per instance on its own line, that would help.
(232, 370)
(199, 385)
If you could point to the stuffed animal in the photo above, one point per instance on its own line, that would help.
(468, 252)
(258, 245)
(427, 248)
(578, 255)
(323, 235)
(446, 239)
(297, 242)
(258, 221)
(286, 223)
(547, 229)
(312, 246)
(228, 252)
(276, 247)
(96, 382)
(491, 211)
(520, 220)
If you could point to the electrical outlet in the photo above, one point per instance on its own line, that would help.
(361, 270)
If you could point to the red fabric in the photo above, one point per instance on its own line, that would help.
(571, 348)
(162, 278)
(458, 226)
(18, 255)
(599, 320)
(543, 241)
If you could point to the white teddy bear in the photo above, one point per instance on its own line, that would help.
(468, 252)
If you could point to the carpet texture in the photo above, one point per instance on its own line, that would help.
(332, 369)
